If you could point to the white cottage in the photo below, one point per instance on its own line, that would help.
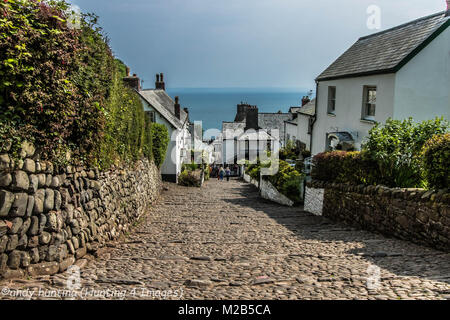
(399, 73)
(162, 109)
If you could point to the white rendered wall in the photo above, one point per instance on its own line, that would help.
(349, 102)
(423, 84)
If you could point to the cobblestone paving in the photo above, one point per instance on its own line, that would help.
(224, 242)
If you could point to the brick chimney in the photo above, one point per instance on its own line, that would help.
(159, 84)
(448, 8)
(251, 120)
(177, 108)
(127, 71)
(132, 81)
(306, 99)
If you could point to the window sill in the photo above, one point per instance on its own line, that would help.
(331, 114)
(368, 121)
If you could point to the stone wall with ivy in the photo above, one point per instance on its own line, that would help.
(52, 215)
(417, 215)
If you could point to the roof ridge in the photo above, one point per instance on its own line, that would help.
(404, 25)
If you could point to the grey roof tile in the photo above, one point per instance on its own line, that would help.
(164, 104)
(385, 51)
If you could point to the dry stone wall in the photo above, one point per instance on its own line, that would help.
(51, 216)
(415, 215)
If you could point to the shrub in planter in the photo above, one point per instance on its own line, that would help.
(436, 160)
(287, 181)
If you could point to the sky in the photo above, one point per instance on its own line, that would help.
(243, 43)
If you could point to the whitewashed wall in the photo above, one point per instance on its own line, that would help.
(422, 86)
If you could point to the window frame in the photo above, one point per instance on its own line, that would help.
(151, 116)
(331, 105)
(369, 108)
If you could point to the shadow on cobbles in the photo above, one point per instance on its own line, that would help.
(402, 258)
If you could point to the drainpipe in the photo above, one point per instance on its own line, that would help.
(314, 118)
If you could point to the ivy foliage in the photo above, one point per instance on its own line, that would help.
(436, 158)
(160, 141)
(61, 88)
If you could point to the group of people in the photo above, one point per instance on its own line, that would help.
(221, 173)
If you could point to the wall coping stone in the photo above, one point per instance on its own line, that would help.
(413, 194)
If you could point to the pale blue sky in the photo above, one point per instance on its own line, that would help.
(241, 43)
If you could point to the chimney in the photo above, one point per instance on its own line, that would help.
(159, 84)
(177, 108)
(133, 82)
(251, 120)
(448, 8)
(128, 71)
(306, 99)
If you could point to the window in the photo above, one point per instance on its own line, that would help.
(370, 101)
(331, 100)
(151, 116)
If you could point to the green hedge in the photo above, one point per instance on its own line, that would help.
(391, 155)
(160, 142)
(62, 89)
(436, 158)
(345, 167)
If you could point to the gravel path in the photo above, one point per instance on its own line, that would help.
(223, 242)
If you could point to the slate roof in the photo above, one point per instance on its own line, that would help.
(163, 103)
(308, 109)
(386, 51)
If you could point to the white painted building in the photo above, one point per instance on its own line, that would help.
(162, 109)
(397, 73)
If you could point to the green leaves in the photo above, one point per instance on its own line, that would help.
(63, 87)
(436, 159)
(396, 147)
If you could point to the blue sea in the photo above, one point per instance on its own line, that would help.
(212, 106)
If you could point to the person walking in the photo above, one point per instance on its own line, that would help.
(221, 173)
(228, 173)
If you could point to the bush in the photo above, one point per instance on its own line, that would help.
(288, 181)
(436, 159)
(62, 88)
(189, 178)
(160, 142)
(345, 167)
(396, 148)
(392, 156)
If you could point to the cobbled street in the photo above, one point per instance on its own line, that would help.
(223, 242)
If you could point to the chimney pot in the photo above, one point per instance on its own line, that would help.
(177, 108)
(160, 82)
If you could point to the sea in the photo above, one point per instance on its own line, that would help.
(214, 105)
